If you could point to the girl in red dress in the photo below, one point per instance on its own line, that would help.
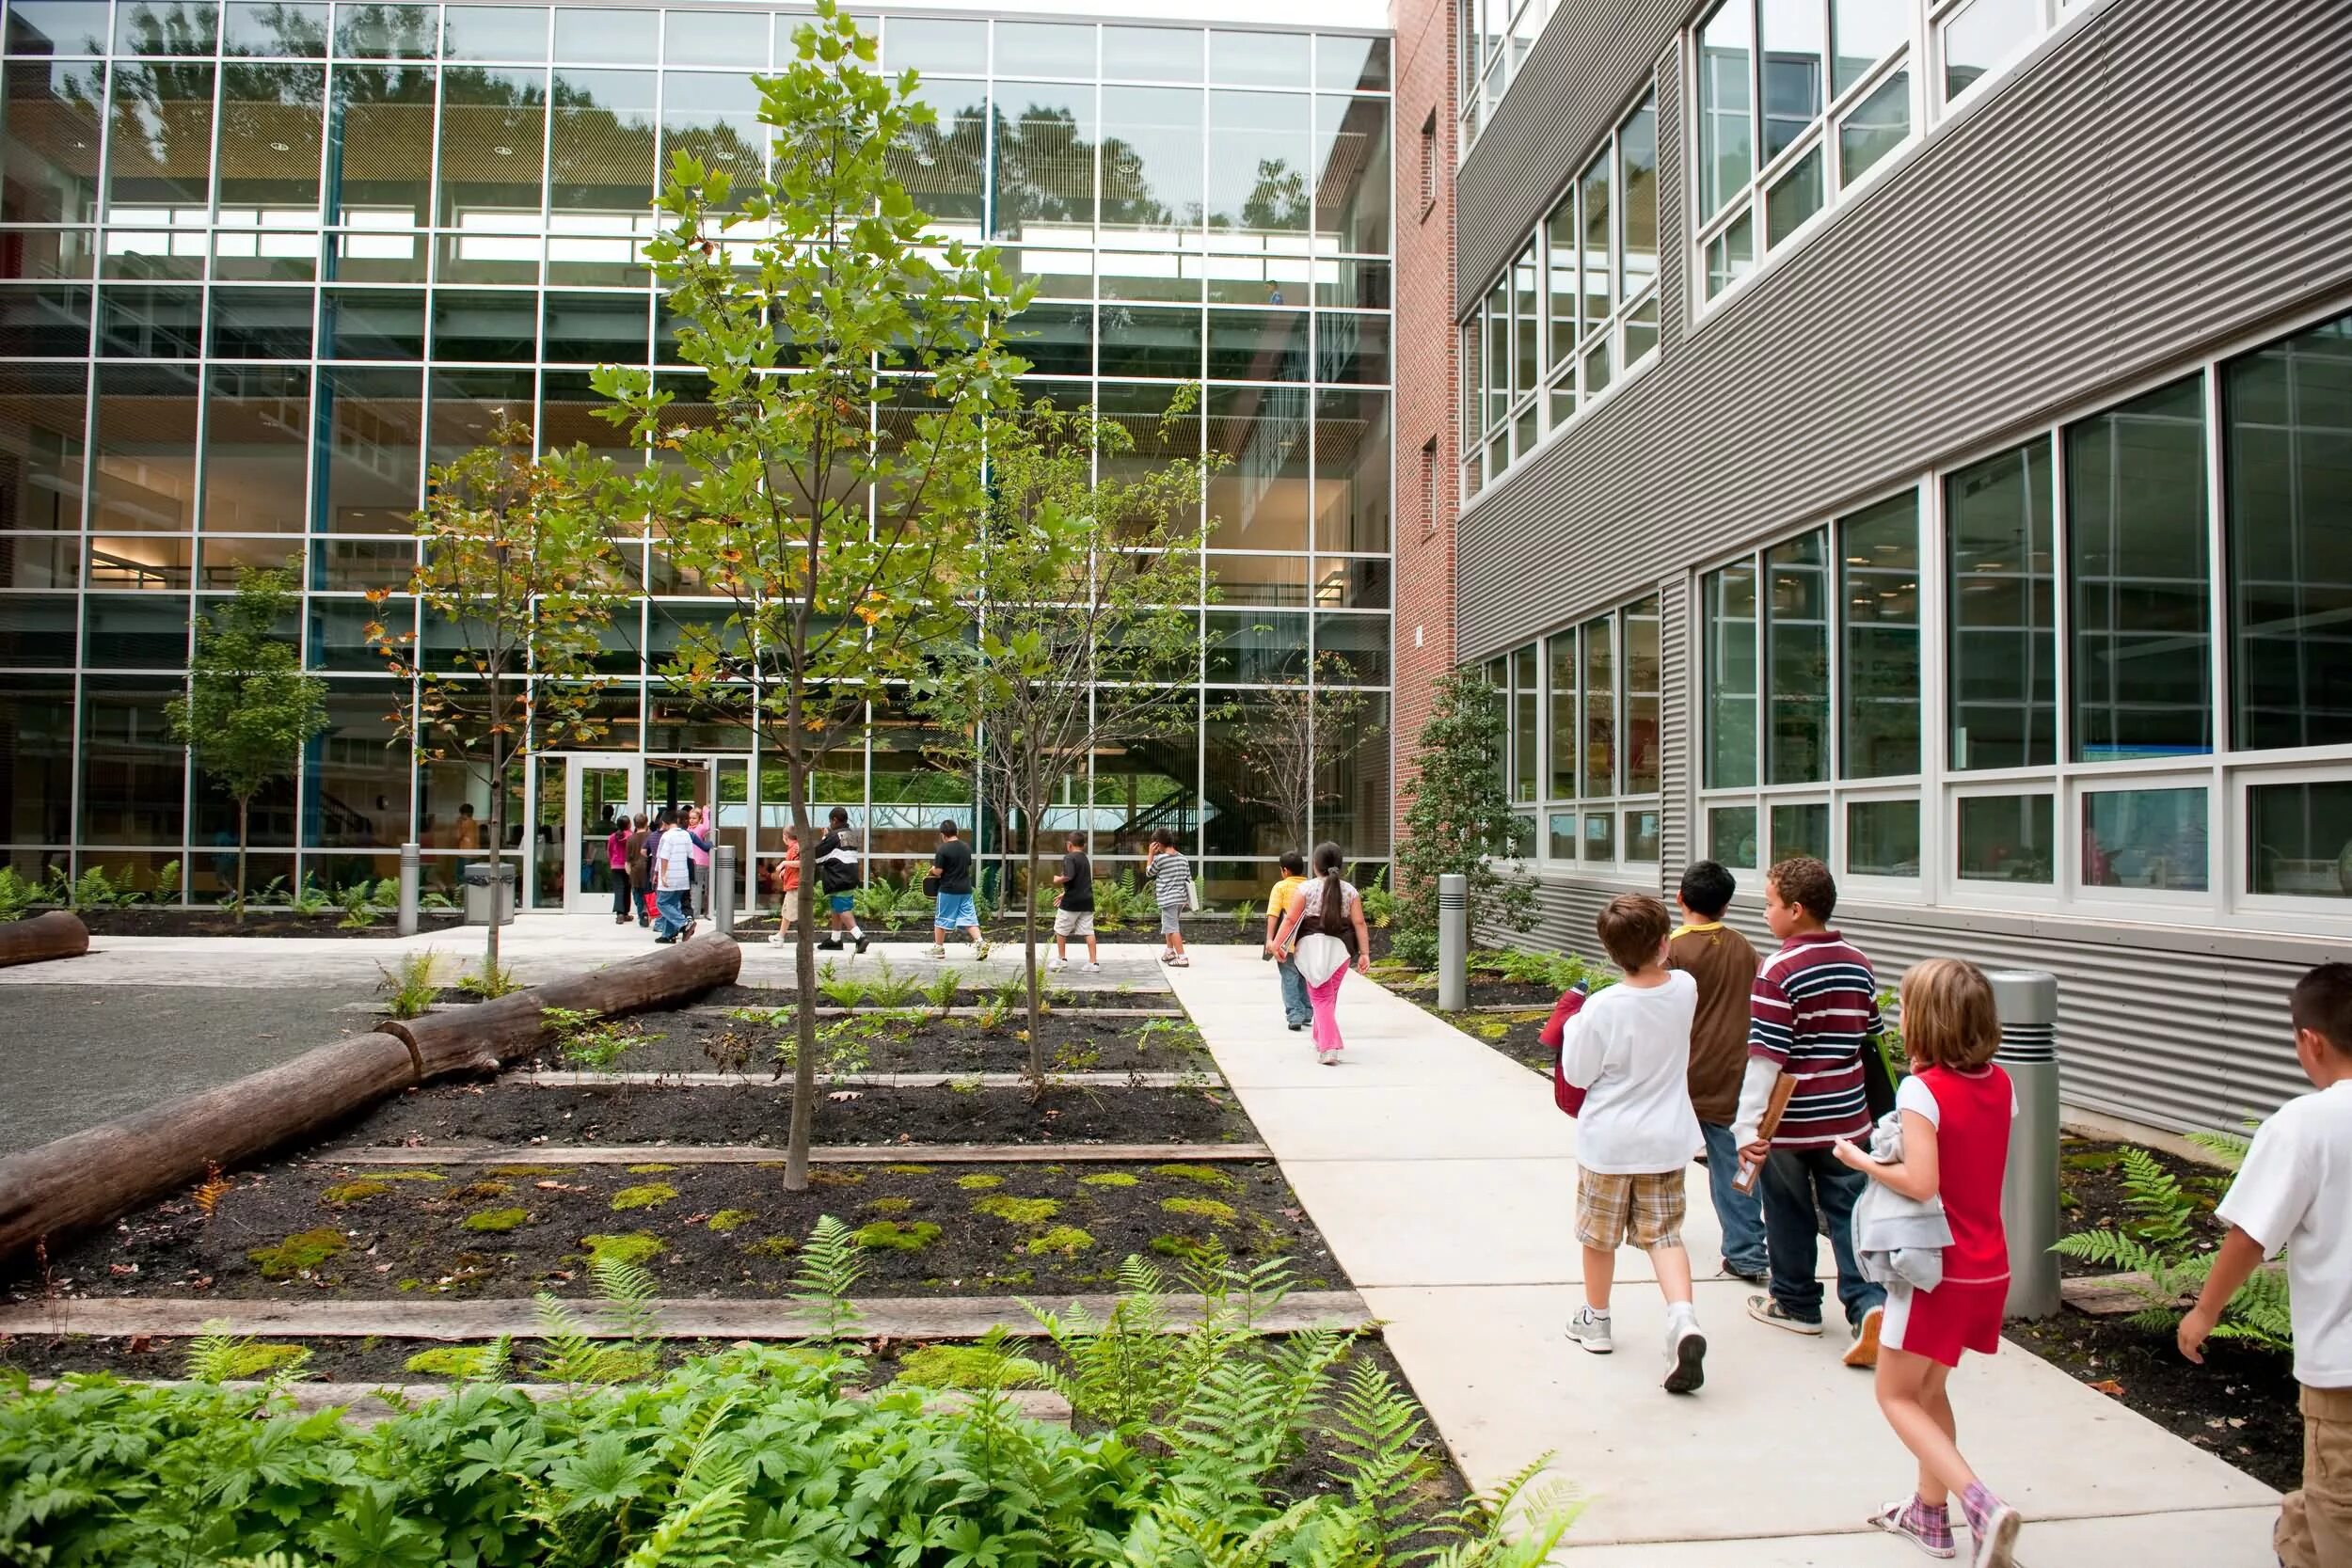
(1956, 1108)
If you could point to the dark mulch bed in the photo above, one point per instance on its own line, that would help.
(1207, 927)
(2091, 1196)
(2239, 1405)
(150, 921)
(509, 1112)
(410, 1236)
(966, 996)
(705, 1042)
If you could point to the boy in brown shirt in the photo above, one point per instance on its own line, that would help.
(1723, 963)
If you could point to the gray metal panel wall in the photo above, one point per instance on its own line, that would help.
(2168, 177)
(1675, 728)
(2153, 1035)
(1587, 68)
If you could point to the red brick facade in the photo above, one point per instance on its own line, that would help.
(1426, 380)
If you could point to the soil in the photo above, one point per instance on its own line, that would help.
(966, 996)
(2091, 1196)
(517, 1113)
(142, 920)
(711, 1041)
(409, 1237)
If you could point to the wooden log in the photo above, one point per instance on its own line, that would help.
(89, 1177)
(486, 1035)
(58, 934)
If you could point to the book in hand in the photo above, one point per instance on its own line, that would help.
(1784, 1087)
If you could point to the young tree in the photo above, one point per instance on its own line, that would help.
(849, 355)
(1291, 742)
(249, 707)
(515, 564)
(1459, 819)
(1085, 637)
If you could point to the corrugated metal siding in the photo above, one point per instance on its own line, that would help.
(1675, 725)
(1587, 67)
(2216, 1050)
(2167, 178)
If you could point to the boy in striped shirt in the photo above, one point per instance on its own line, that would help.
(1812, 1014)
(1171, 889)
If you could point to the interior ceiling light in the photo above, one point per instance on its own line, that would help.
(503, 151)
(279, 147)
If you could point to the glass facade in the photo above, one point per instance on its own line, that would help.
(262, 263)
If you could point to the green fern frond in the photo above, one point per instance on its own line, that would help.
(2228, 1147)
(830, 1269)
(211, 1353)
(1376, 1431)
(705, 1531)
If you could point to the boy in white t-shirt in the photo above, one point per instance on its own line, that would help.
(1629, 1049)
(2294, 1193)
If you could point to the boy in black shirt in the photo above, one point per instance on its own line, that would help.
(1074, 913)
(951, 862)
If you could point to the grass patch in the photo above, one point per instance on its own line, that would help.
(890, 1236)
(978, 1183)
(495, 1221)
(1200, 1209)
(1187, 1249)
(299, 1253)
(1017, 1210)
(1067, 1240)
(729, 1219)
(354, 1191)
(635, 1246)
(248, 1362)
(1204, 1176)
(650, 1195)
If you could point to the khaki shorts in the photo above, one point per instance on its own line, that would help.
(1643, 1209)
(2315, 1522)
(1074, 923)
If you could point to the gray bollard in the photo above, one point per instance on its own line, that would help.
(411, 886)
(2026, 1001)
(722, 889)
(1453, 942)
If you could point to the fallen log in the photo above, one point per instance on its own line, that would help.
(58, 934)
(486, 1035)
(89, 1177)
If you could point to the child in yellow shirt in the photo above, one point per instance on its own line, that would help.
(1296, 1011)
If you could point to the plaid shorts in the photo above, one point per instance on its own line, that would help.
(1643, 1209)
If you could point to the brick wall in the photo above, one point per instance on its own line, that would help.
(1425, 378)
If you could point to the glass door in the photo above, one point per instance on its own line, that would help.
(599, 793)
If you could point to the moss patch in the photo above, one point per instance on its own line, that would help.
(636, 1246)
(771, 1246)
(453, 1361)
(248, 1362)
(907, 1170)
(1107, 1179)
(891, 1205)
(1017, 1210)
(299, 1253)
(978, 1183)
(825, 1176)
(1067, 1240)
(408, 1175)
(354, 1191)
(496, 1221)
(729, 1219)
(651, 1195)
(1187, 1249)
(649, 1170)
(1200, 1208)
(1206, 1176)
(533, 1170)
(480, 1189)
(963, 1367)
(889, 1235)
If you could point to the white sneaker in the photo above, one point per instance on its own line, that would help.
(1686, 1351)
(1055, 966)
(980, 949)
(938, 952)
(1089, 968)
(775, 939)
(1591, 1330)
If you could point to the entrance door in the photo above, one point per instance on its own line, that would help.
(599, 791)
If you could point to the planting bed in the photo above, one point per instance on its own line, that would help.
(318, 1229)
(708, 1039)
(145, 920)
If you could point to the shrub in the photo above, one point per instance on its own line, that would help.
(300, 1253)
(650, 1195)
(410, 986)
(1017, 1210)
(495, 1221)
(890, 1236)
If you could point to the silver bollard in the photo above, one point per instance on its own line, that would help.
(411, 886)
(1453, 942)
(722, 889)
(2026, 1001)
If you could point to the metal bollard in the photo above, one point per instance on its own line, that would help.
(2026, 1001)
(1453, 942)
(411, 886)
(722, 889)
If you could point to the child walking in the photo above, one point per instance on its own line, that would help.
(1171, 889)
(1328, 908)
(1297, 1013)
(1629, 1049)
(1723, 963)
(1813, 1012)
(2295, 1191)
(1074, 906)
(1956, 1108)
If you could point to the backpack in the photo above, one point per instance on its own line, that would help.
(1567, 1096)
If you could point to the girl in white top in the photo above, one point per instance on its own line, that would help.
(1325, 910)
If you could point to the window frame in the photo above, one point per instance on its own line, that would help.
(1619, 803)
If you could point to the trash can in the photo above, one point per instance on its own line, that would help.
(2026, 1003)
(478, 893)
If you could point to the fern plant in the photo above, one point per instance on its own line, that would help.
(888, 987)
(410, 986)
(569, 1354)
(830, 1269)
(2161, 1248)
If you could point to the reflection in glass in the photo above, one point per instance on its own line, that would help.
(1350, 64)
(1593, 202)
(2145, 838)
(603, 145)
(382, 146)
(1258, 164)
(371, 323)
(468, 404)
(1526, 758)
(1731, 255)
(144, 478)
(1637, 180)
(1152, 160)
(2136, 534)
(159, 149)
(1149, 53)
(517, 33)
(1352, 501)
(1045, 161)
(273, 125)
(1358, 645)
(1259, 499)
(372, 422)
(713, 117)
(1795, 196)
(1641, 836)
(1257, 345)
(133, 774)
(58, 27)
(1982, 34)
(1795, 657)
(49, 153)
(594, 329)
(1862, 33)
(1256, 648)
(2003, 648)
(1600, 835)
(1731, 835)
(257, 449)
(1726, 145)
(944, 165)
(1882, 838)
(354, 787)
(731, 39)
(146, 561)
(1641, 735)
(935, 43)
(1727, 601)
(1258, 59)
(37, 765)
(1596, 749)
(2287, 422)
(1140, 340)
(150, 324)
(1801, 829)
(41, 414)
(493, 153)
(2004, 838)
(500, 327)
(1878, 584)
(1045, 48)
(1791, 56)
(1561, 729)
(1875, 127)
(2300, 836)
(376, 32)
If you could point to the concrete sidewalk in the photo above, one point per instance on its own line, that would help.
(1444, 1179)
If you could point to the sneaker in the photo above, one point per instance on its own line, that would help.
(1864, 1350)
(1090, 967)
(775, 939)
(1746, 1276)
(1995, 1536)
(938, 951)
(861, 942)
(1332, 1059)
(1591, 1330)
(1295, 1027)
(664, 942)
(1764, 1310)
(979, 948)
(830, 944)
(1905, 1521)
(1686, 1351)
(687, 934)
(1177, 961)
(1055, 966)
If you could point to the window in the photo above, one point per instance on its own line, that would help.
(1429, 163)
(1429, 497)
(1495, 38)
(1524, 755)
(2299, 839)
(1577, 310)
(2004, 838)
(1601, 719)
(2152, 839)
(2002, 692)
(1877, 552)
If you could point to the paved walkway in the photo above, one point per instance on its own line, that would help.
(1443, 1179)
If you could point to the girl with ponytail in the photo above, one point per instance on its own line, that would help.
(1324, 934)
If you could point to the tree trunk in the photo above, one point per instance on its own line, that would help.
(498, 842)
(245, 807)
(804, 1128)
(58, 934)
(90, 1176)
(1028, 945)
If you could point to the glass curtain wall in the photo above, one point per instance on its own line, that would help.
(261, 262)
